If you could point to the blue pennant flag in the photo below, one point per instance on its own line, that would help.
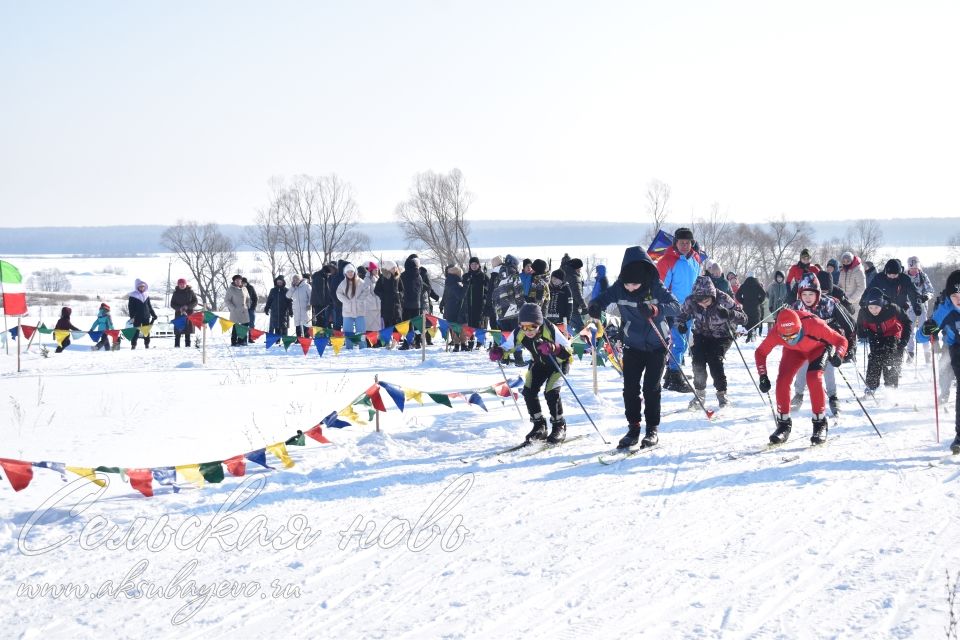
(259, 456)
(477, 400)
(272, 339)
(14, 333)
(444, 327)
(517, 383)
(481, 336)
(321, 344)
(166, 477)
(396, 393)
(335, 422)
(96, 335)
(180, 323)
(386, 335)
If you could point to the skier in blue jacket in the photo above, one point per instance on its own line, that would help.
(679, 268)
(946, 321)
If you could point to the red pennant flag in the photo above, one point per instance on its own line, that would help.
(113, 333)
(397, 336)
(305, 344)
(141, 480)
(372, 337)
(27, 330)
(18, 472)
(317, 434)
(255, 334)
(237, 465)
(196, 319)
(374, 394)
(469, 331)
(503, 390)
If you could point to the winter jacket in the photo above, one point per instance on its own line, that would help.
(141, 311)
(412, 285)
(923, 285)
(299, 296)
(601, 284)
(679, 272)
(900, 290)
(252, 298)
(355, 304)
(868, 276)
(573, 278)
(548, 333)
(751, 295)
(561, 303)
(237, 301)
(815, 336)
(64, 323)
(278, 306)
(721, 284)
(539, 292)
(387, 291)
(508, 296)
(776, 293)
(707, 321)
(635, 328)
(372, 309)
(947, 317)
(333, 283)
(426, 291)
(891, 322)
(475, 286)
(451, 304)
(852, 280)
(103, 321)
(320, 294)
(184, 302)
(796, 273)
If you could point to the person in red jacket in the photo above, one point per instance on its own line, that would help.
(805, 338)
(797, 271)
(888, 329)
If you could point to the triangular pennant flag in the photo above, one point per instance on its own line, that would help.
(18, 472)
(351, 414)
(14, 294)
(129, 333)
(210, 318)
(191, 473)
(259, 456)
(297, 440)
(431, 321)
(89, 474)
(255, 334)
(272, 339)
(374, 394)
(477, 400)
(319, 331)
(44, 329)
(372, 337)
(469, 331)
(507, 343)
(180, 323)
(237, 465)
(59, 467)
(445, 328)
(96, 335)
(386, 335)
(441, 398)
(114, 334)
(166, 477)
(141, 480)
(60, 335)
(432, 331)
(317, 434)
(280, 450)
(27, 331)
(288, 340)
(14, 333)
(337, 343)
(396, 393)
(503, 390)
(225, 325)
(333, 422)
(321, 345)
(355, 338)
(396, 336)
(403, 328)
(241, 331)
(103, 469)
(145, 330)
(76, 335)
(212, 472)
(413, 394)
(305, 344)
(196, 319)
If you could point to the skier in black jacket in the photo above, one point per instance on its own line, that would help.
(751, 295)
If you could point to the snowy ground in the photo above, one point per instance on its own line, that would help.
(849, 540)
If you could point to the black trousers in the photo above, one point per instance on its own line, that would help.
(708, 351)
(541, 375)
(642, 369)
(884, 359)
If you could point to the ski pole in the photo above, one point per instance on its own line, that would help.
(510, 389)
(863, 408)
(685, 379)
(772, 314)
(936, 396)
(862, 380)
(737, 345)
(570, 386)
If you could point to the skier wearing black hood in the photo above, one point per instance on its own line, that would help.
(897, 287)
(411, 297)
(751, 295)
(279, 307)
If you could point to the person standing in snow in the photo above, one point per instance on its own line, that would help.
(412, 287)
(278, 307)
(353, 292)
(833, 268)
(945, 321)
(387, 290)
(237, 301)
(805, 338)
(572, 276)
(776, 297)
(548, 350)
(475, 287)
(714, 315)
(852, 279)
(898, 288)
(101, 325)
(797, 271)
(719, 281)
(678, 269)
(887, 328)
(299, 296)
(561, 300)
(923, 285)
(507, 299)
(600, 284)
(252, 308)
(64, 324)
(372, 311)
(141, 312)
(869, 273)
(646, 307)
(451, 306)
(751, 295)
(183, 301)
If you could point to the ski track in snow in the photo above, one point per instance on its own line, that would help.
(851, 540)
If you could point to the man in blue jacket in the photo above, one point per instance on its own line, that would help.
(645, 306)
(679, 268)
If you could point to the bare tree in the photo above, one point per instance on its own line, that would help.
(208, 254)
(266, 234)
(781, 238)
(434, 216)
(865, 238)
(832, 248)
(338, 215)
(658, 196)
(49, 280)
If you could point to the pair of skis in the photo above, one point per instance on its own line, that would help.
(527, 448)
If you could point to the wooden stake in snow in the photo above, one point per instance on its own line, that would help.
(376, 381)
(423, 336)
(204, 334)
(19, 340)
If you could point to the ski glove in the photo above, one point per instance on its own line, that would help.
(835, 359)
(648, 310)
(723, 313)
(930, 328)
(764, 383)
(548, 348)
(495, 354)
(682, 327)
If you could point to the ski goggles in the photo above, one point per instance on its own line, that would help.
(529, 326)
(791, 338)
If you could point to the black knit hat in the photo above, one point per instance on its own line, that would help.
(634, 273)
(953, 283)
(474, 259)
(875, 296)
(531, 313)
(576, 263)
(683, 234)
(539, 267)
(559, 275)
(893, 266)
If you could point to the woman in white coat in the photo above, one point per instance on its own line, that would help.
(353, 293)
(371, 311)
(299, 295)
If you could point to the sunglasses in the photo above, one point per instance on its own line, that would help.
(790, 338)
(527, 326)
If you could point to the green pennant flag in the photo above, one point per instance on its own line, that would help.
(298, 440)
(370, 414)
(288, 340)
(579, 349)
(456, 327)
(241, 331)
(209, 316)
(108, 469)
(441, 398)
(129, 332)
(43, 329)
(417, 323)
(366, 401)
(356, 338)
(212, 471)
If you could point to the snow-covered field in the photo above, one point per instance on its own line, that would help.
(849, 540)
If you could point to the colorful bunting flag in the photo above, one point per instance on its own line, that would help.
(89, 474)
(477, 400)
(259, 456)
(191, 473)
(237, 465)
(13, 293)
(212, 472)
(141, 480)
(18, 472)
(280, 450)
(395, 392)
(441, 398)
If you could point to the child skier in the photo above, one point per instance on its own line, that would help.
(714, 315)
(887, 328)
(64, 324)
(546, 346)
(946, 319)
(102, 324)
(644, 306)
(805, 338)
(812, 299)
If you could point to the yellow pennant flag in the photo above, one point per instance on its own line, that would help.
(337, 344)
(191, 473)
(413, 394)
(225, 325)
(351, 415)
(319, 332)
(145, 330)
(280, 450)
(432, 331)
(89, 474)
(60, 335)
(403, 328)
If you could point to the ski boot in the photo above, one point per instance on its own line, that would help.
(834, 405)
(722, 399)
(631, 438)
(909, 358)
(869, 394)
(797, 400)
(955, 445)
(819, 429)
(670, 380)
(650, 438)
(679, 382)
(539, 431)
(558, 431)
(784, 423)
(698, 396)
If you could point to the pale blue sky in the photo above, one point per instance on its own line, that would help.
(134, 112)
